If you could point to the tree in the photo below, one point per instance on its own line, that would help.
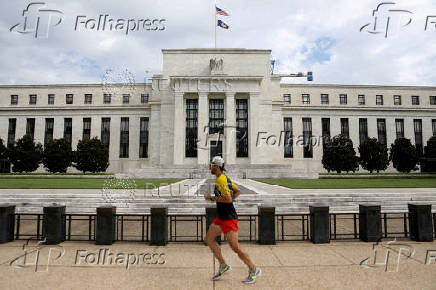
(4, 162)
(403, 155)
(339, 155)
(2, 150)
(57, 155)
(373, 155)
(91, 156)
(25, 155)
(428, 163)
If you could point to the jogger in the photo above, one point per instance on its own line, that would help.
(226, 222)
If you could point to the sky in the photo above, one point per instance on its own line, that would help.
(336, 40)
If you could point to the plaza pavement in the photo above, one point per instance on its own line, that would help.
(286, 265)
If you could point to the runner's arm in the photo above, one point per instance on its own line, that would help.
(225, 198)
(236, 192)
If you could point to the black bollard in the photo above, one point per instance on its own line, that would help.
(267, 229)
(53, 229)
(210, 216)
(159, 226)
(7, 223)
(370, 229)
(420, 222)
(106, 225)
(319, 224)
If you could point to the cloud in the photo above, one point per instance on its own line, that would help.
(317, 36)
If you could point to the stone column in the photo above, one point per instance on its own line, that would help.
(154, 128)
(179, 128)
(253, 114)
(203, 129)
(230, 129)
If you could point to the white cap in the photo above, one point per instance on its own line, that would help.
(218, 160)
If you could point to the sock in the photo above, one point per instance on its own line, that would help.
(253, 270)
(223, 265)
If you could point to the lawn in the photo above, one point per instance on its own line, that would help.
(336, 183)
(72, 183)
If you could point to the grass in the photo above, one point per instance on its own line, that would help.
(48, 173)
(338, 183)
(380, 173)
(71, 183)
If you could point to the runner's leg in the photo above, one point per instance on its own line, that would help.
(212, 233)
(232, 238)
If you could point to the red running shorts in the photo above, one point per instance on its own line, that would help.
(227, 225)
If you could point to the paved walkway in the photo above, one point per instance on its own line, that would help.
(289, 265)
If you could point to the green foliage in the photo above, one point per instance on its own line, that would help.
(91, 156)
(57, 155)
(2, 150)
(339, 155)
(373, 155)
(25, 155)
(403, 155)
(428, 164)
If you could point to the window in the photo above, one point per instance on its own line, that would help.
(288, 152)
(191, 127)
(124, 138)
(68, 129)
(143, 138)
(397, 100)
(379, 99)
(88, 99)
(325, 123)
(69, 99)
(417, 124)
(324, 99)
(126, 99)
(433, 126)
(399, 128)
(287, 98)
(14, 99)
(415, 100)
(30, 127)
(86, 128)
(11, 131)
(241, 128)
(306, 98)
(307, 138)
(343, 99)
(361, 99)
(381, 131)
(344, 127)
(216, 116)
(49, 123)
(107, 98)
(32, 99)
(105, 131)
(51, 99)
(144, 98)
(363, 130)
(432, 100)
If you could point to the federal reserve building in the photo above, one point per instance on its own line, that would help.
(208, 102)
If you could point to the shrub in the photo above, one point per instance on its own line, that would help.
(403, 155)
(339, 155)
(57, 155)
(25, 155)
(373, 155)
(91, 156)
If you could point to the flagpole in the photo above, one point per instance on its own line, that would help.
(214, 10)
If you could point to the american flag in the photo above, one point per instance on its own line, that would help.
(221, 12)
